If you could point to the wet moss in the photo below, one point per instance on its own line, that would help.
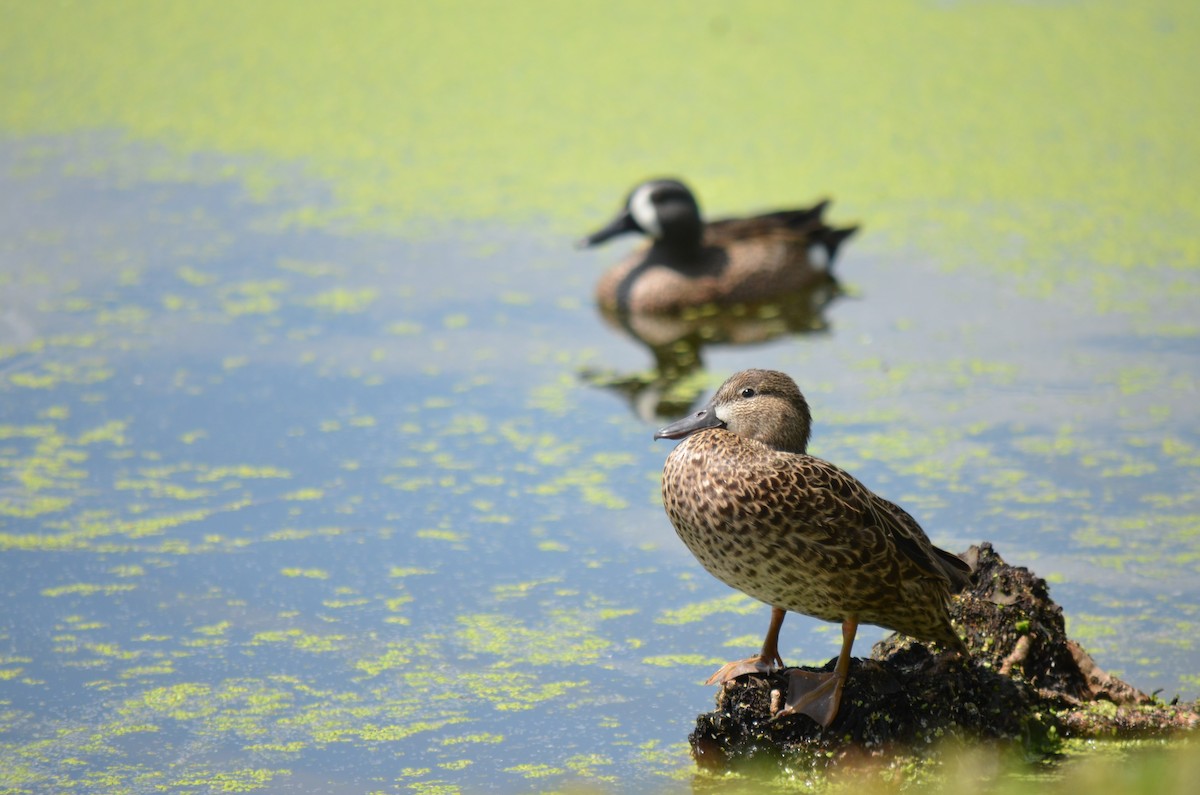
(1025, 686)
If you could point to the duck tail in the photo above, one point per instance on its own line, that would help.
(800, 220)
(831, 239)
(959, 569)
(817, 211)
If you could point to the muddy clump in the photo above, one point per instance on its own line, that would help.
(1026, 683)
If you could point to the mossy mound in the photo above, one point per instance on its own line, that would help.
(1026, 684)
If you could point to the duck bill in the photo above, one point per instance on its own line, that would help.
(704, 418)
(618, 226)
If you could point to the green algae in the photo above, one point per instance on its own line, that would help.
(341, 300)
(1025, 135)
(567, 637)
(87, 589)
(243, 780)
(534, 770)
(736, 603)
(315, 574)
(478, 737)
(674, 661)
(399, 571)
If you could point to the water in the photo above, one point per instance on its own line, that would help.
(329, 511)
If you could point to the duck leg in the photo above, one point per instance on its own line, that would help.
(764, 662)
(818, 695)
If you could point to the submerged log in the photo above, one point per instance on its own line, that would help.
(1025, 683)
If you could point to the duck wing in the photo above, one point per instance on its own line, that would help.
(911, 540)
(803, 226)
(851, 515)
(803, 222)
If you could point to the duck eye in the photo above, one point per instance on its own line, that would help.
(748, 392)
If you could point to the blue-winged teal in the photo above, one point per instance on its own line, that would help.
(799, 533)
(691, 263)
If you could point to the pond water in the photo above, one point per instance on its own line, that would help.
(321, 472)
(326, 511)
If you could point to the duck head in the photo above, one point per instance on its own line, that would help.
(765, 405)
(663, 209)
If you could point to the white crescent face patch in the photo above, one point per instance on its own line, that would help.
(818, 255)
(641, 207)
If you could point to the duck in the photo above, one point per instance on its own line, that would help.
(690, 263)
(800, 534)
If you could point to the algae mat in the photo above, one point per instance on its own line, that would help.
(301, 488)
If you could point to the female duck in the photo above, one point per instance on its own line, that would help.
(691, 263)
(799, 533)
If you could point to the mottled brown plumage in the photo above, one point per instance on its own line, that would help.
(799, 533)
(691, 263)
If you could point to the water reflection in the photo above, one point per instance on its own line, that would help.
(677, 342)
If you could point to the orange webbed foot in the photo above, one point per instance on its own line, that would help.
(751, 665)
(817, 695)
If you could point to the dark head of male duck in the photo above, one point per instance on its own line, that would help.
(662, 209)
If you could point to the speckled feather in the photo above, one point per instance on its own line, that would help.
(797, 532)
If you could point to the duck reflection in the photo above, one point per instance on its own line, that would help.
(677, 342)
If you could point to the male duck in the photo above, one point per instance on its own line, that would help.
(799, 533)
(691, 263)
